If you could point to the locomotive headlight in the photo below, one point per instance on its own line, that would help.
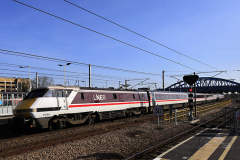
(34, 110)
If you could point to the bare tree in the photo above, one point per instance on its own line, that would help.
(42, 81)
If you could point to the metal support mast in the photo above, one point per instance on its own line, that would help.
(89, 75)
(163, 79)
(36, 79)
(195, 104)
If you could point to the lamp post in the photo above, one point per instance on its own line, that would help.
(30, 86)
(64, 71)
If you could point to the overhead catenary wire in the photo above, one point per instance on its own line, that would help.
(94, 80)
(57, 75)
(54, 75)
(77, 73)
(76, 76)
(139, 34)
(197, 73)
(105, 35)
(66, 61)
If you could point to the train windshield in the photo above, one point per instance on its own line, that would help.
(36, 93)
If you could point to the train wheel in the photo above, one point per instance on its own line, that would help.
(90, 119)
(144, 111)
(50, 126)
(59, 125)
(130, 114)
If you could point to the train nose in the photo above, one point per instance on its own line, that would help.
(24, 108)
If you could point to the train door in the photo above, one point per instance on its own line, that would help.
(140, 98)
(153, 99)
(61, 99)
(143, 99)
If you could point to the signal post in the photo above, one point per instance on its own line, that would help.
(191, 79)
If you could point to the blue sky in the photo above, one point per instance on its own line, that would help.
(208, 31)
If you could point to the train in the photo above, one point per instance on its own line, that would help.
(55, 107)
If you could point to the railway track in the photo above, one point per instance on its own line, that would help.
(58, 139)
(22, 148)
(151, 150)
(35, 132)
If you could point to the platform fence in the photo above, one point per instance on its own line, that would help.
(8, 101)
(185, 113)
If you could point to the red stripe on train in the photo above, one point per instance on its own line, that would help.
(121, 103)
(104, 104)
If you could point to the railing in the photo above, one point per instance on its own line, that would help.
(8, 101)
(183, 114)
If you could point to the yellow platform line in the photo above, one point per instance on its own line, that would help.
(229, 146)
(163, 154)
(206, 151)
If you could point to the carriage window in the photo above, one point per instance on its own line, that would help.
(133, 96)
(68, 93)
(36, 93)
(157, 97)
(64, 93)
(49, 93)
(54, 93)
(59, 93)
(114, 96)
(82, 95)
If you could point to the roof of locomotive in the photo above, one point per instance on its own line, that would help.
(57, 87)
(83, 88)
(167, 92)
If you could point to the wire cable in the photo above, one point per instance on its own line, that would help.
(138, 34)
(65, 61)
(104, 35)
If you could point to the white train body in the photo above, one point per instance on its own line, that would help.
(56, 106)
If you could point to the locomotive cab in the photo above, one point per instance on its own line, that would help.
(37, 108)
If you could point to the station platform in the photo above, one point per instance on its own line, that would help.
(212, 144)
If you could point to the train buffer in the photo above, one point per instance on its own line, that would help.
(212, 144)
